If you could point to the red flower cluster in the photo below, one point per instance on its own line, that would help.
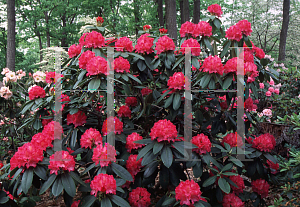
(28, 155)
(104, 155)
(50, 77)
(144, 44)
(104, 183)
(36, 92)
(202, 142)
(46, 121)
(93, 39)
(265, 142)
(61, 160)
(124, 111)
(233, 139)
(85, 58)
(74, 50)
(213, 64)
(274, 167)
(146, 91)
(234, 33)
(90, 138)
(78, 119)
(249, 104)
(164, 44)
(163, 31)
(100, 19)
(163, 130)
(203, 28)
(65, 99)
(121, 64)
(75, 203)
(194, 44)
(139, 197)
(238, 180)
(215, 9)
(146, 27)
(259, 52)
(248, 56)
(232, 65)
(130, 145)
(131, 101)
(250, 71)
(124, 44)
(231, 200)
(188, 192)
(245, 27)
(52, 127)
(133, 166)
(187, 29)
(177, 81)
(42, 141)
(112, 121)
(261, 187)
(97, 65)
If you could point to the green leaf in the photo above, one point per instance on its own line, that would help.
(141, 65)
(208, 45)
(176, 101)
(37, 124)
(121, 171)
(209, 181)
(27, 107)
(225, 48)
(264, 61)
(88, 201)
(167, 156)
(227, 82)
(168, 201)
(17, 173)
(73, 139)
(145, 150)
(134, 78)
(57, 187)
(68, 184)
(198, 204)
(164, 95)
(148, 158)
(94, 84)
(237, 162)
(169, 101)
(47, 184)
(81, 75)
(27, 180)
(137, 55)
(205, 80)
(178, 62)
(217, 23)
(157, 147)
(41, 172)
(229, 173)
(150, 168)
(105, 202)
(195, 62)
(198, 169)
(125, 77)
(88, 168)
(143, 141)
(119, 201)
(224, 185)
(227, 167)
(77, 178)
(179, 146)
(270, 157)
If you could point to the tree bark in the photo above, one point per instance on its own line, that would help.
(47, 28)
(196, 13)
(185, 11)
(284, 29)
(11, 35)
(136, 17)
(171, 18)
(160, 13)
(181, 11)
(64, 38)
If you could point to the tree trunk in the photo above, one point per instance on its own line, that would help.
(41, 45)
(196, 15)
(47, 28)
(284, 29)
(181, 11)
(11, 35)
(171, 18)
(185, 11)
(136, 17)
(160, 13)
(64, 38)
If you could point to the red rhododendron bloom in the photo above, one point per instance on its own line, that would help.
(144, 44)
(78, 119)
(202, 142)
(104, 155)
(50, 77)
(74, 50)
(61, 160)
(93, 39)
(274, 167)
(231, 200)
(234, 33)
(250, 71)
(65, 99)
(75, 203)
(118, 125)
(133, 166)
(238, 180)
(52, 127)
(41, 141)
(194, 68)
(46, 121)
(90, 138)
(97, 65)
(124, 44)
(85, 58)
(121, 65)
(164, 44)
(213, 64)
(265, 142)
(233, 139)
(248, 56)
(130, 145)
(231, 65)
(194, 44)
(104, 183)
(245, 27)
(176, 81)
(188, 192)
(259, 53)
(36, 92)
(163, 31)
(100, 19)
(139, 197)
(261, 187)
(124, 111)
(131, 101)
(187, 29)
(249, 104)
(146, 91)
(163, 130)
(203, 28)
(27, 156)
(146, 27)
(215, 9)
(268, 93)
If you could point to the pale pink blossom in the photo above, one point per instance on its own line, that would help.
(260, 114)
(271, 83)
(12, 76)
(276, 91)
(4, 71)
(261, 85)
(39, 76)
(271, 89)
(268, 93)
(267, 112)
(5, 92)
(5, 139)
(31, 87)
(5, 80)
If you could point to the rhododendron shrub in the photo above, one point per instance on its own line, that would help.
(118, 151)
